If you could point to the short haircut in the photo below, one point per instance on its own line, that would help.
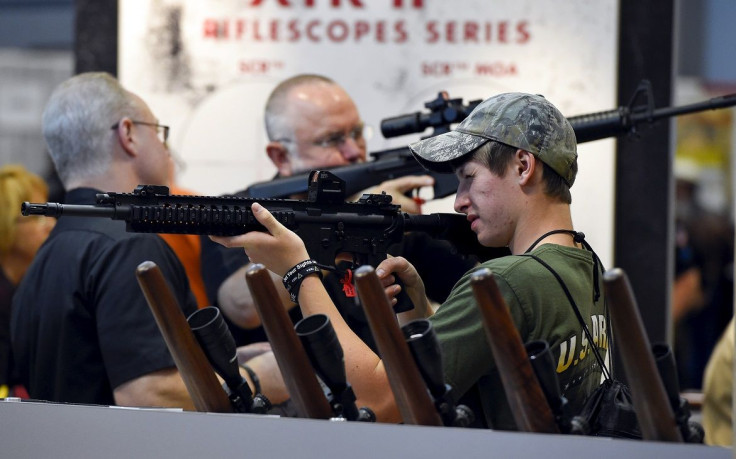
(17, 185)
(77, 121)
(497, 156)
(278, 127)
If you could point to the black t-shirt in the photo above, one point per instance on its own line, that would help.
(81, 325)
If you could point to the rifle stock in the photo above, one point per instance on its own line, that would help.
(199, 378)
(407, 385)
(652, 406)
(528, 403)
(301, 382)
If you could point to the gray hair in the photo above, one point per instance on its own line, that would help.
(77, 123)
(278, 125)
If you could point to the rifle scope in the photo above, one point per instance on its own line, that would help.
(218, 345)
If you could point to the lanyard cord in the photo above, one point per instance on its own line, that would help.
(593, 347)
(579, 238)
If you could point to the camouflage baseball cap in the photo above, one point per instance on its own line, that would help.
(524, 121)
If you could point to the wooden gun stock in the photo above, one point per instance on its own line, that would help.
(196, 371)
(299, 377)
(653, 410)
(529, 406)
(407, 385)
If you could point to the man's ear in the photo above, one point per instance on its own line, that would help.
(526, 165)
(280, 158)
(125, 136)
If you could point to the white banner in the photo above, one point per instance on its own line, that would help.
(206, 68)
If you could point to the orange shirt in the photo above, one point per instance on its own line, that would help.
(189, 248)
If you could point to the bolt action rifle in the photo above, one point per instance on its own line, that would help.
(199, 344)
(443, 112)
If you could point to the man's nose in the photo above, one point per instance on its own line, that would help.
(461, 203)
(352, 150)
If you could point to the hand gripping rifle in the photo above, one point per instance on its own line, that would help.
(327, 225)
(443, 112)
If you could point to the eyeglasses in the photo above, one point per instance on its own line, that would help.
(161, 130)
(336, 140)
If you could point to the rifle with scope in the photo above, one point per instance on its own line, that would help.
(443, 112)
(218, 345)
(326, 356)
(425, 349)
(199, 344)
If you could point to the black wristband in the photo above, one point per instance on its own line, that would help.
(294, 277)
(253, 377)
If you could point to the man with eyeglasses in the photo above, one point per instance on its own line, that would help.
(161, 130)
(312, 123)
(82, 331)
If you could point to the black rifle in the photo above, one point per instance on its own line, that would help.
(326, 223)
(384, 165)
(399, 162)
(443, 112)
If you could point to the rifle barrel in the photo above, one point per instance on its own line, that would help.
(54, 209)
(715, 103)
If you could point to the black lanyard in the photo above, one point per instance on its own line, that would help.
(579, 238)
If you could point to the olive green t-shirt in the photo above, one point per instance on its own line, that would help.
(541, 311)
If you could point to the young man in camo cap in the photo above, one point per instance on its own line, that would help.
(515, 157)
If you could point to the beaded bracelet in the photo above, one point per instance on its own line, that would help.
(294, 277)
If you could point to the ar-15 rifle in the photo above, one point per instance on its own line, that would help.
(327, 224)
(399, 162)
